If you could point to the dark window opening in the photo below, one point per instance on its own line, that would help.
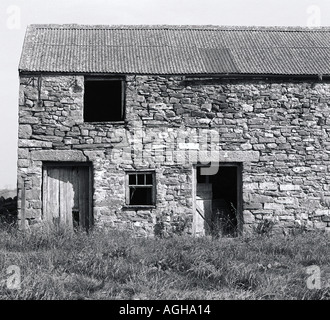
(218, 200)
(103, 100)
(141, 189)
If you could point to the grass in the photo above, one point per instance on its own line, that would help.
(115, 265)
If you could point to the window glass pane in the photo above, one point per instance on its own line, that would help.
(148, 178)
(140, 179)
(140, 196)
(132, 179)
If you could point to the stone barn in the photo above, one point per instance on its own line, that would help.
(200, 130)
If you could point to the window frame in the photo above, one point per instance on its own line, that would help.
(122, 98)
(152, 186)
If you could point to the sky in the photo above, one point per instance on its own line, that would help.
(15, 15)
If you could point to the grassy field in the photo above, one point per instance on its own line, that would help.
(114, 265)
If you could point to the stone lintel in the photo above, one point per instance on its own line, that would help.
(58, 155)
(229, 156)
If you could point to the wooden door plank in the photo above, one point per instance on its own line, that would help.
(90, 197)
(66, 197)
(204, 208)
(83, 197)
(76, 191)
(53, 194)
(69, 201)
(86, 197)
(80, 183)
(45, 183)
(199, 218)
(62, 194)
(70, 197)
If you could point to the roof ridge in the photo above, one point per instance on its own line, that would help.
(179, 27)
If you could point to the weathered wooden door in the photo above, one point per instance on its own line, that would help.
(66, 195)
(203, 209)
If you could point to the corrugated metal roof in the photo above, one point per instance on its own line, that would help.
(176, 50)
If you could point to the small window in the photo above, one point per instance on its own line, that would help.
(141, 189)
(103, 100)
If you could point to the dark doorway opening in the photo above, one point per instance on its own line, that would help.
(218, 201)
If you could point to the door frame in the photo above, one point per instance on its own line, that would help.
(63, 164)
(239, 183)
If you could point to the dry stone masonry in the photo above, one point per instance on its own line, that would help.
(278, 129)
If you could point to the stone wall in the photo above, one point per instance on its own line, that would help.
(278, 129)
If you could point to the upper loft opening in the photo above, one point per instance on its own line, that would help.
(103, 100)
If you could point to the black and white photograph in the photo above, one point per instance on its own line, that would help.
(166, 156)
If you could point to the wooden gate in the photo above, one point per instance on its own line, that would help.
(67, 195)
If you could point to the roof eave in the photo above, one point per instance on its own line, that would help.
(188, 75)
